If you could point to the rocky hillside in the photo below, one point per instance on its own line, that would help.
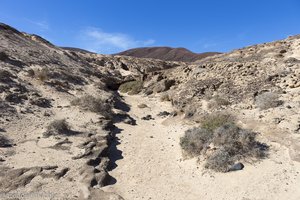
(167, 53)
(260, 84)
(57, 110)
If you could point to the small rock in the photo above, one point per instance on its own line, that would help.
(173, 114)
(47, 114)
(148, 117)
(163, 114)
(142, 105)
(282, 51)
(237, 166)
(277, 120)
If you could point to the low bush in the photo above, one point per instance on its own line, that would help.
(194, 141)
(57, 127)
(217, 102)
(41, 74)
(222, 143)
(215, 120)
(165, 97)
(219, 161)
(132, 87)
(94, 104)
(267, 100)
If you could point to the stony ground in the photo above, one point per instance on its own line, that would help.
(150, 165)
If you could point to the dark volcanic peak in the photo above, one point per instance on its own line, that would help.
(166, 53)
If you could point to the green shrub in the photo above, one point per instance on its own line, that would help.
(267, 100)
(215, 120)
(132, 87)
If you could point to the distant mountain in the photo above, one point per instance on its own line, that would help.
(166, 53)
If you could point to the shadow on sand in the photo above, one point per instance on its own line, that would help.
(114, 153)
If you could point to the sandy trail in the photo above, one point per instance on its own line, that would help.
(152, 167)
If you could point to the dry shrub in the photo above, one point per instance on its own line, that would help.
(219, 161)
(230, 143)
(217, 102)
(215, 120)
(194, 141)
(57, 127)
(132, 87)
(267, 100)
(165, 97)
(41, 74)
(93, 104)
(30, 73)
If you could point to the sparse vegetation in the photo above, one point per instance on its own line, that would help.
(132, 87)
(94, 104)
(267, 100)
(165, 97)
(30, 72)
(194, 141)
(222, 143)
(219, 161)
(57, 127)
(214, 120)
(217, 102)
(41, 74)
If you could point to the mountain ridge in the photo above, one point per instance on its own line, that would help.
(166, 53)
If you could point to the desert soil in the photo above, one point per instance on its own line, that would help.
(151, 166)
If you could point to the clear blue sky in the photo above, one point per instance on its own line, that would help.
(109, 26)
